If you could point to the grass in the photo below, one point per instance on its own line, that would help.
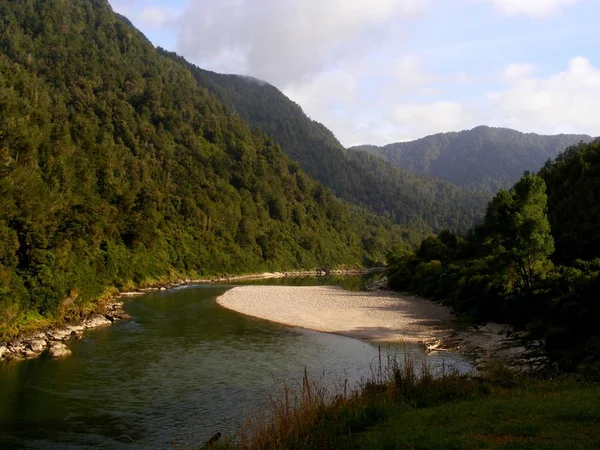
(535, 415)
(403, 406)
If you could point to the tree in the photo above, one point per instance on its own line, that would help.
(517, 222)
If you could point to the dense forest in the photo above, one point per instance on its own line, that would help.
(534, 261)
(116, 169)
(483, 158)
(421, 202)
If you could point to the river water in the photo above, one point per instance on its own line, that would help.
(182, 369)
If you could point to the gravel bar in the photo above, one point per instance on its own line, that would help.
(377, 316)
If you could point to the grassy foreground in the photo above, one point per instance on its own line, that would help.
(404, 407)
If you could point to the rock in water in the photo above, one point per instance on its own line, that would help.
(28, 353)
(96, 321)
(59, 350)
(37, 345)
(3, 352)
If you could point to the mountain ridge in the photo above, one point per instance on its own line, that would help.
(488, 158)
(421, 202)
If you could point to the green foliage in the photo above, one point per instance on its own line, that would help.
(517, 224)
(484, 158)
(573, 182)
(421, 203)
(117, 169)
(504, 270)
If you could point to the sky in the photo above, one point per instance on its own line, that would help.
(383, 71)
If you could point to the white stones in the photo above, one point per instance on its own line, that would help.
(37, 345)
(59, 334)
(96, 321)
(59, 350)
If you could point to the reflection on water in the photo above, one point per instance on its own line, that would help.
(183, 367)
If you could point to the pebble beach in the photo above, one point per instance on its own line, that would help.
(377, 316)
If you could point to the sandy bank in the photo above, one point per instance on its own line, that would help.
(378, 316)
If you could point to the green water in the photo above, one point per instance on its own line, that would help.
(182, 369)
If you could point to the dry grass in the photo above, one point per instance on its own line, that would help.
(312, 414)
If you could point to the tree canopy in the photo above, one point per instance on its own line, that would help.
(117, 169)
(534, 262)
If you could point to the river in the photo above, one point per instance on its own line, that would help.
(182, 369)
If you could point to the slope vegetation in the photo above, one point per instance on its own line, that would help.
(423, 203)
(116, 169)
(534, 262)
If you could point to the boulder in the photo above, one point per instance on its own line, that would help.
(37, 345)
(96, 321)
(59, 350)
(3, 352)
(76, 328)
(16, 348)
(28, 353)
(59, 334)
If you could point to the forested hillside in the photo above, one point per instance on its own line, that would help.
(483, 158)
(117, 169)
(423, 203)
(534, 262)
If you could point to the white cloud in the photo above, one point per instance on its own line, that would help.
(518, 70)
(283, 42)
(565, 102)
(154, 16)
(418, 120)
(360, 102)
(380, 71)
(409, 71)
(534, 8)
(326, 90)
(148, 15)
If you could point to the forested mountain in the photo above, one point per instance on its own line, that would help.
(533, 262)
(117, 169)
(422, 203)
(483, 158)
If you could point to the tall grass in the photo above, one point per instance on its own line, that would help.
(314, 415)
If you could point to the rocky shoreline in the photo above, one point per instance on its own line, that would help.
(53, 340)
(495, 342)
(487, 344)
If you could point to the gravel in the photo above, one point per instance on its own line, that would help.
(377, 316)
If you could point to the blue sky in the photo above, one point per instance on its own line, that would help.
(381, 71)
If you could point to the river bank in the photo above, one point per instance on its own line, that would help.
(52, 339)
(375, 316)
(385, 316)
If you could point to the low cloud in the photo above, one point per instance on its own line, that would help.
(379, 71)
(564, 102)
(284, 42)
(518, 70)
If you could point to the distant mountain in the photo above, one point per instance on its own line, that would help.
(422, 203)
(483, 158)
